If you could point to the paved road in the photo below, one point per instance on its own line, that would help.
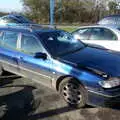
(22, 99)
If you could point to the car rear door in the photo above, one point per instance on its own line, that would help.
(8, 51)
(31, 67)
(103, 38)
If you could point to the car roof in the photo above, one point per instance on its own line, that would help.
(28, 28)
(103, 26)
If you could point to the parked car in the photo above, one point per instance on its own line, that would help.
(107, 37)
(110, 20)
(82, 74)
(14, 19)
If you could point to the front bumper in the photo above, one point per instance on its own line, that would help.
(104, 98)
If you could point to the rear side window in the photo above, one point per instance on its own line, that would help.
(10, 40)
(30, 45)
(9, 20)
(102, 34)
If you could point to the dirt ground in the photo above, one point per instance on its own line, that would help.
(22, 99)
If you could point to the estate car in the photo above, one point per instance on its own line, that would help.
(82, 74)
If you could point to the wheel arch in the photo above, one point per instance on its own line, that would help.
(61, 78)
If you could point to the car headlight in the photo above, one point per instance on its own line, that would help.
(112, 82)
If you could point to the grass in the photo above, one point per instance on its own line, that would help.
(66, 28)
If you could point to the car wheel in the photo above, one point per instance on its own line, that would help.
(73, 92)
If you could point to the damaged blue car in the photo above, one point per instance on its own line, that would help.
(80, 73)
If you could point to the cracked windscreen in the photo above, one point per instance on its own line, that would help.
(60, 42)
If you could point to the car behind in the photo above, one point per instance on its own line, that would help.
(101, 36)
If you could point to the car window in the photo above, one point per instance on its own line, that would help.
(10, 40)
(60, 43)
(1, 36)
(113, 20)
(23, 19)
(83, 33)
(102, 34)
(8, 20)
(30, 45)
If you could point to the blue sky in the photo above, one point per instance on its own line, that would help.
(10, 5)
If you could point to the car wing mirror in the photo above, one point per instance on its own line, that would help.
(40, 55)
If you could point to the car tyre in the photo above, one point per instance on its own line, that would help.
(73, 92)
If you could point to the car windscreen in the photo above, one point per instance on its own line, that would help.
(60, 43)
(23, 19)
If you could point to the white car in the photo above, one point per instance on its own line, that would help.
(102, 36)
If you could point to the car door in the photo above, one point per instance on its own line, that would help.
(34, 68)
(82, 34)
(8, 51)
(103, 38)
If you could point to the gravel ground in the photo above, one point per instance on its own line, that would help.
(22, 99)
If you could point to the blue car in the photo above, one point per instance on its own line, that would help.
(81, 74)
(14, 19)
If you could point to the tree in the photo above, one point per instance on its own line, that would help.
(73, 10)
(3, 13)
(38, 10)
(66, 11)
(112, 7)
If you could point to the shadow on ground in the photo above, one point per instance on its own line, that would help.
(19, 101)
(16, 101)
(54, 112)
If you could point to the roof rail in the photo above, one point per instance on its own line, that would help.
(35, 26)
(22, 26)
(25, 26)
(14, 25)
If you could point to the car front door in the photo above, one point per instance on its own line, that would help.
(9, 51)
(82, 34)
(32, 67)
